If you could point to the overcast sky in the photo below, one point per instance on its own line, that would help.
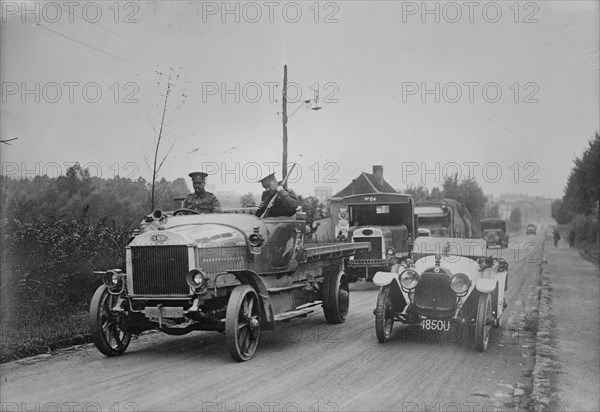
(505, 91)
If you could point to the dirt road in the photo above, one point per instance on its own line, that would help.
(305, 365)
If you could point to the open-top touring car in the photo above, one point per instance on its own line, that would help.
(233, 273)
(447, 281)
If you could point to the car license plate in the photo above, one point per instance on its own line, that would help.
(165, 312)
(432, 324)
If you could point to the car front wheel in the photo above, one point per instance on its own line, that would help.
(484, 322)
(106, 333)
(384, 314)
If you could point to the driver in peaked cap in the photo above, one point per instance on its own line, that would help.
(286, 202)
(201, 200)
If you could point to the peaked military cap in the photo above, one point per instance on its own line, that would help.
(267, 179)
(198, 176)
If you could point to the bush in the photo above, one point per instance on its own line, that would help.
(586, 228)
(48, 279)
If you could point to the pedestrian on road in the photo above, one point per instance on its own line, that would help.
(556, 237)
(572, 238)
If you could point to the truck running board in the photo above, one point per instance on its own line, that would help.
(286, 316)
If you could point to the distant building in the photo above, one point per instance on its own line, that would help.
(323, 192)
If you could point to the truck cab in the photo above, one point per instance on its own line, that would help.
(387, 221)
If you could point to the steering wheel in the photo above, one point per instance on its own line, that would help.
(184, 212)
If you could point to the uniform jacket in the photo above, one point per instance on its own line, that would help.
(285, 204)
(203, 203)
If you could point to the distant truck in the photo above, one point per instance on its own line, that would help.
(443, 218)
(388, 222)
(494, 232)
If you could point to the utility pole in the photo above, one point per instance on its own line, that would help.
(284, 119)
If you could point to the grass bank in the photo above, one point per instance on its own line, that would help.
(24, 335)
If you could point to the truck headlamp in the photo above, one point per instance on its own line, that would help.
(390, 251)
(196, 279)
(113, 278)
(409, 279)
(460, 284)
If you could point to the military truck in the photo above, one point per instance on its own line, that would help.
(385, 220)
(443, 218)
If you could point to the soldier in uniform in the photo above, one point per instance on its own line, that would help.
(286, 202)
(201, 200)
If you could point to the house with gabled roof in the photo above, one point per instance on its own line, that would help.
(363, 183)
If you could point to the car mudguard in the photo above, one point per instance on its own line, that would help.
(486, 285)
(384, 278)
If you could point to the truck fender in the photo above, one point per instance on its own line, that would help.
(247, 277)
(486, 285)
(384, 278)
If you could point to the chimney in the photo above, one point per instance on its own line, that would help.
(378, 173)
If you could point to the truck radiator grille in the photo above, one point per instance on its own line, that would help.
(375, 253)
(160, 270)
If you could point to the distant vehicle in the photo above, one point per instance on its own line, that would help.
(494, 232)
(450, 283)
(531, 229)
(233, 273)
(388, 222)
(439, 217)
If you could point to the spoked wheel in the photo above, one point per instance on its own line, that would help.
(242, 323)
(384, 314)
(107, 335)
(336, 297)
(484, 322)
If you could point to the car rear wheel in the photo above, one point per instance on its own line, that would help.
(484, 322)
(336, 297)
(384, 314)
(242, 323)
(106, 333)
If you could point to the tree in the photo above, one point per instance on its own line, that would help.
(559, 212)
(314, 210)
(436, 192)
(419, 192)
(248, 200)
(158, 164)
(514, 221)
(468, 192)
(494, 212)
(582, 193)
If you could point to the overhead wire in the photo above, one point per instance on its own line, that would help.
(91, 47)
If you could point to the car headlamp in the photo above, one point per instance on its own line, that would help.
(255, 240)
(196, 279)
(460, 284)
(409, 279)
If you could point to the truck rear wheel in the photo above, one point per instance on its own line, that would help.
(336, 297)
